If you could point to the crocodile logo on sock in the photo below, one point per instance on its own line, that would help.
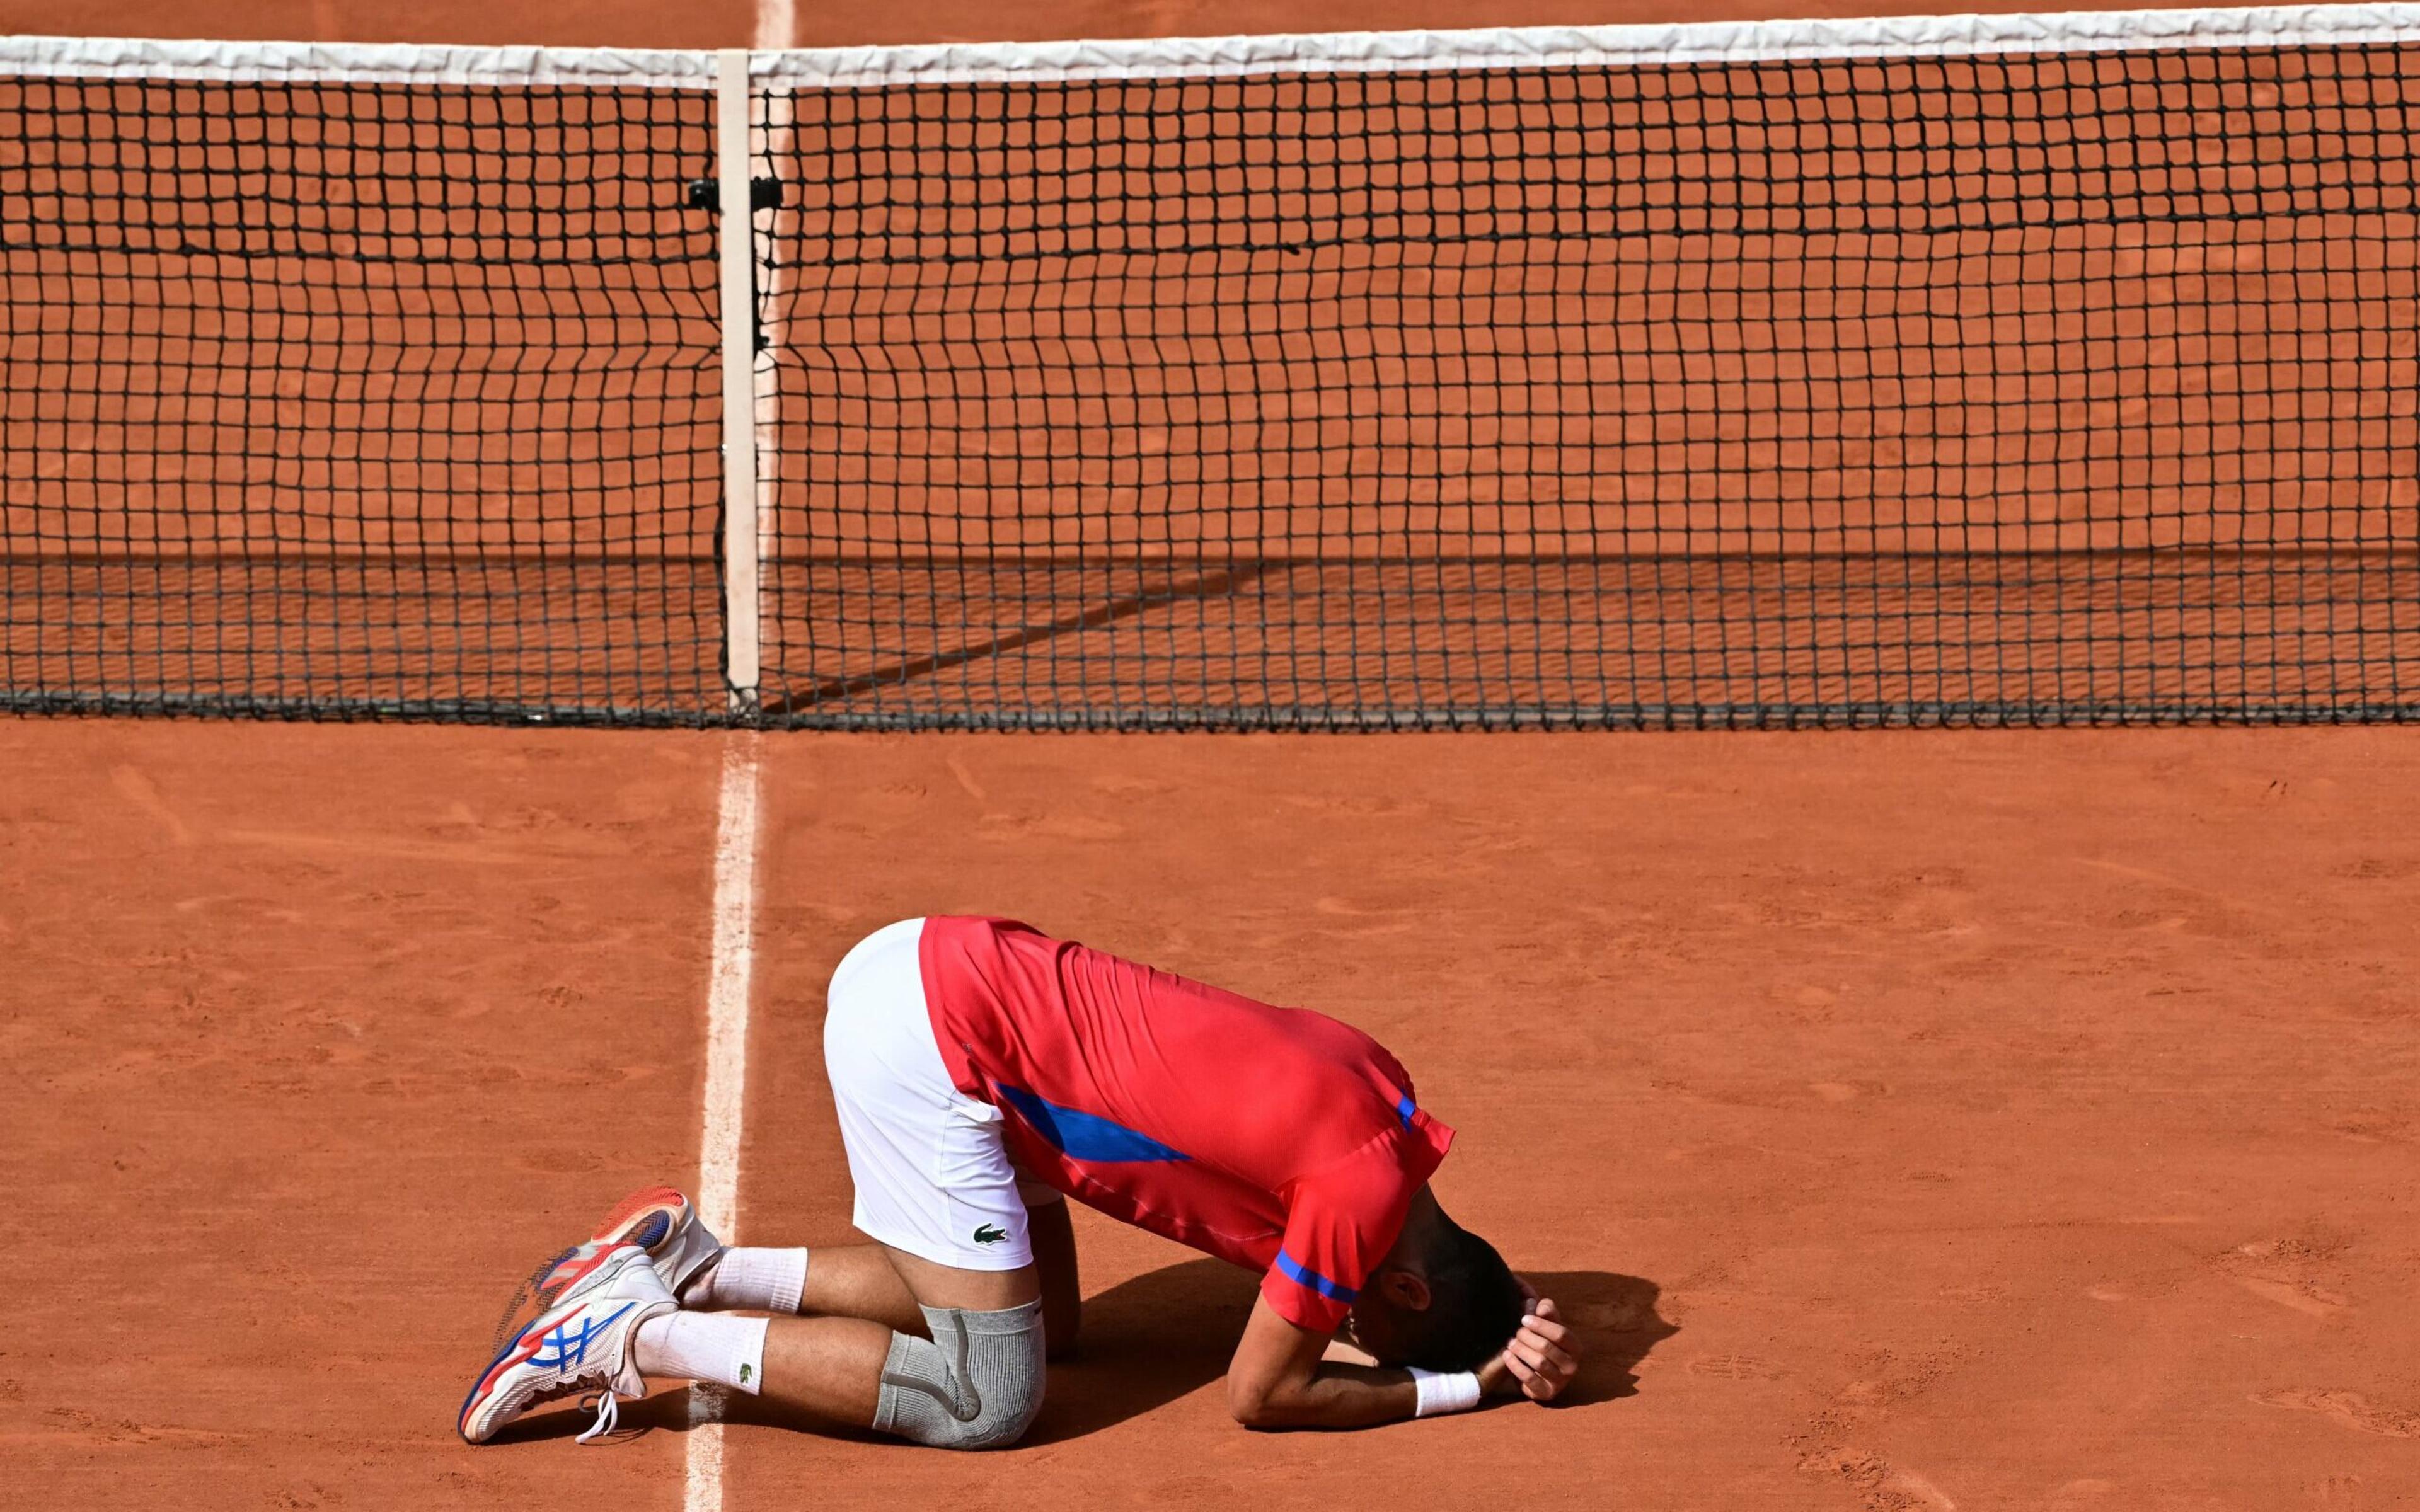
(745, 1372)
(989, 1234)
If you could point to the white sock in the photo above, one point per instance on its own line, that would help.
(717, 1347)
(762, 1280)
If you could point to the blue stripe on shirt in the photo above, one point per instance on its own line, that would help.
(1084, 1135)
(1301, 1275)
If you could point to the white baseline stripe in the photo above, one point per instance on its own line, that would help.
(726, 1071)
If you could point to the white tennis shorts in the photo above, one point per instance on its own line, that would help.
(932, 1176)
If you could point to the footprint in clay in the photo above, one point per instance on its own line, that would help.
(2350, 1408)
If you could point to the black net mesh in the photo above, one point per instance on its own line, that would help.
(356, 398)
(2049, 388)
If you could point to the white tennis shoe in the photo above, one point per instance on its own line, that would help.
(586, 1311)
(661, 1222)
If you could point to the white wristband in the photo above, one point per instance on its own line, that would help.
(1441, 1393)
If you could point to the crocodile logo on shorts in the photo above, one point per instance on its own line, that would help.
(989, 1234)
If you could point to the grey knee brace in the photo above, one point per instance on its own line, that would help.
(975, 1385)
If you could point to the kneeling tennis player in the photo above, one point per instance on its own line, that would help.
(984, 1073)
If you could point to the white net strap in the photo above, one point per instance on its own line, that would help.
(1583, 47)
(133, 58)
(1531, 47)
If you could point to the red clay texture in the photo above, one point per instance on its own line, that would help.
(1910, 1120)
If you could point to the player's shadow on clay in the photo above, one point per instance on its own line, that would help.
(1169, 1333)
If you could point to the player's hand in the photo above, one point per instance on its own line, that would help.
(1540, 1362)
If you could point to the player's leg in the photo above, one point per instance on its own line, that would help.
(953, 1370)
(935, 1188)
(970, 1339)
(706, 1276)
(859, 1281)
(829, 1281)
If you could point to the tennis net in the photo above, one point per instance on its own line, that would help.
(1977, 370)
(356, 381)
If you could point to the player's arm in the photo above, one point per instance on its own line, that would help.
(1280, 1379)
(1277, 1379)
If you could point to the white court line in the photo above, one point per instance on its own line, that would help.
(726, 1072)
(727, 1011)
(777, 25)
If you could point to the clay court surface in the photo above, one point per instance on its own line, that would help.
(2011, 1120)
(1930, 1120)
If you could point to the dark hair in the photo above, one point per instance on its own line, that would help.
(1475, 1304)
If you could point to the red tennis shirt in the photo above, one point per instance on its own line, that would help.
(1274, 1138)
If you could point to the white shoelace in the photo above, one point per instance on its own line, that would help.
(609, 1409)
